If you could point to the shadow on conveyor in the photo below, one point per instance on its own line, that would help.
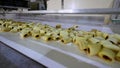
(63, 59)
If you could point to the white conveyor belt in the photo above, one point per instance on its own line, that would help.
(55, 54)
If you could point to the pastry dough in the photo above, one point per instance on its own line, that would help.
(46, 38)
(98, 33)
(107, 54)
(14, 30)
(118, 56)
(1, 22)
(66, 40)
(55, 36)
(105, 35)
(36, 28)
(99, 38)
(35, 35)
(93, 40)
(5, 25)
(58, 26)
(25, 33)
(93, 49)
(81, 42)
(63, 33)
(4, 29)
(112, 40)
(117, 36)
(73, 28)
(42, 32)
(109, 45)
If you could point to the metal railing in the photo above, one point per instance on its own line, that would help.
(69, 11)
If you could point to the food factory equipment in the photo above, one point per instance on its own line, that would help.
(55, 54)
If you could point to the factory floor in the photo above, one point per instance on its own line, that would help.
(10, 58)
(5, 63)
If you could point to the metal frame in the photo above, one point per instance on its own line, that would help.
(62, 4)
(71, 11)
(12, 7)
(117, 6)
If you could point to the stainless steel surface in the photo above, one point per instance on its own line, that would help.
(72, 11)
(11, 7)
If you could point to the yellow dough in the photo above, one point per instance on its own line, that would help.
(109, 45)
(66, 40)
(118, 56)
(107, 54)
(81, 42)
(93, 42)
(93, 49)
(35, 35)
(25, 33)
(47, 38)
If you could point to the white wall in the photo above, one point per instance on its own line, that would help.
(84, 4)
(54, 5)
(32, 0)
(79, 4)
